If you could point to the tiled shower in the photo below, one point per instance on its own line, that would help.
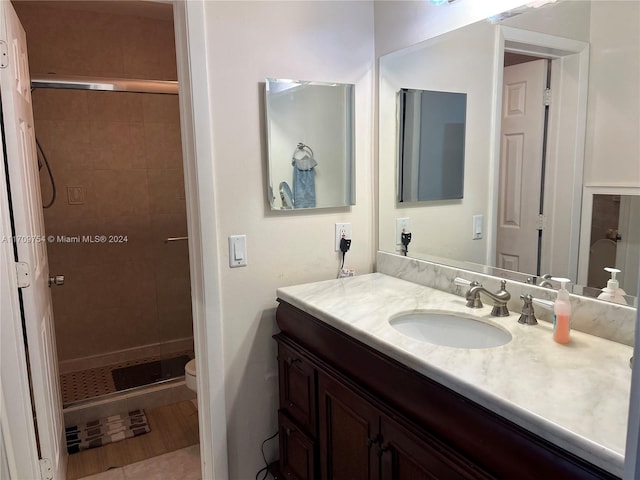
(117, 166)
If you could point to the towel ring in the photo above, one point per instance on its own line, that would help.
(302, 148)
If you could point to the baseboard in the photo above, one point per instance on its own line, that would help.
(128, 354)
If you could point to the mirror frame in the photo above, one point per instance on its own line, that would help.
(348, 186)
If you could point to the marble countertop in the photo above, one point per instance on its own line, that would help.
(575, 395)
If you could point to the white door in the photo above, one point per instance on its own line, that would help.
(520, 166)
(26, 202)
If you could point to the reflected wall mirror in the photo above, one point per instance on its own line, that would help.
(610, 236)
(310, 130)
(430, 145)
(587, 54)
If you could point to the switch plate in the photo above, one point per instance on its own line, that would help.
(237, 251)
(477, 227)
(342, 229)
(403, 225)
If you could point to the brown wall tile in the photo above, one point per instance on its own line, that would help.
(124, 151)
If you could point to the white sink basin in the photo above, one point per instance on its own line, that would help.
(450, 330)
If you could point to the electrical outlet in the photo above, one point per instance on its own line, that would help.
(342, 230)
(403, 225)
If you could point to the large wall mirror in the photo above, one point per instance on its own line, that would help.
(310, 130)
(551, 109)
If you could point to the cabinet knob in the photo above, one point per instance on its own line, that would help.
(382, 449)
(371, 441)
(291, 404)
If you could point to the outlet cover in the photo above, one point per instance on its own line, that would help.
(403, 225)
(342, 229)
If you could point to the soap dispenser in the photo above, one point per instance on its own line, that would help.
(612, 292)
(561, 313)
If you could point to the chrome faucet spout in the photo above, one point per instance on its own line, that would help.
(499, 298)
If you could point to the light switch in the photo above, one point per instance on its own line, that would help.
(477, 227)
(237, 251)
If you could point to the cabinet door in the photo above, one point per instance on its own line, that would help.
(405, 456)
(297, 451)
(297, 388)
(348, 428)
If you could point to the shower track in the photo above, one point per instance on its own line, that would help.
(97, 383)
(105, 84)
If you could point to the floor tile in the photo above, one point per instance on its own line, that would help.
(114, 474)
(182, 464)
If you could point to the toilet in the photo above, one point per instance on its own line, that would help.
(190, 375)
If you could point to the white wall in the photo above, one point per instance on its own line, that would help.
(612, 151)
(246, 43)
(569, 19)
(400, 24)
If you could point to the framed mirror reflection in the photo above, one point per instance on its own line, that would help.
(310, 139)
(584, 57)
(431, 129)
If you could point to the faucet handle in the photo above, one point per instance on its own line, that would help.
(548, 304)
(462, 282)
(528, 316)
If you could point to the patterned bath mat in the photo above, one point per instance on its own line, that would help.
(106, 430)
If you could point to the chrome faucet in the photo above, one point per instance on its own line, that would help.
(543, 283)
(499, 298)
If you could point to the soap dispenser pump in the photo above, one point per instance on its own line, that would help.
(561, 313)
(612, 292)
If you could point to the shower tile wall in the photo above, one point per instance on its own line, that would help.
(122, 150)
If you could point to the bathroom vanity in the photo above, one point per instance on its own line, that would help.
(358, 399)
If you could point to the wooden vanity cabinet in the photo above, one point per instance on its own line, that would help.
(297, 387)
(349, 430)
(297, 450)
(348, 412)
(358, 440)
(297, 414)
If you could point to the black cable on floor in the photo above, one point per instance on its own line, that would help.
(265, 469)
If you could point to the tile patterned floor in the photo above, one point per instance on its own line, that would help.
(182, 464)
(95, 382)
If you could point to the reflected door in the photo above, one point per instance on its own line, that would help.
(521, 166)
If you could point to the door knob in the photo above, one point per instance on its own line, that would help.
(57, 280)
